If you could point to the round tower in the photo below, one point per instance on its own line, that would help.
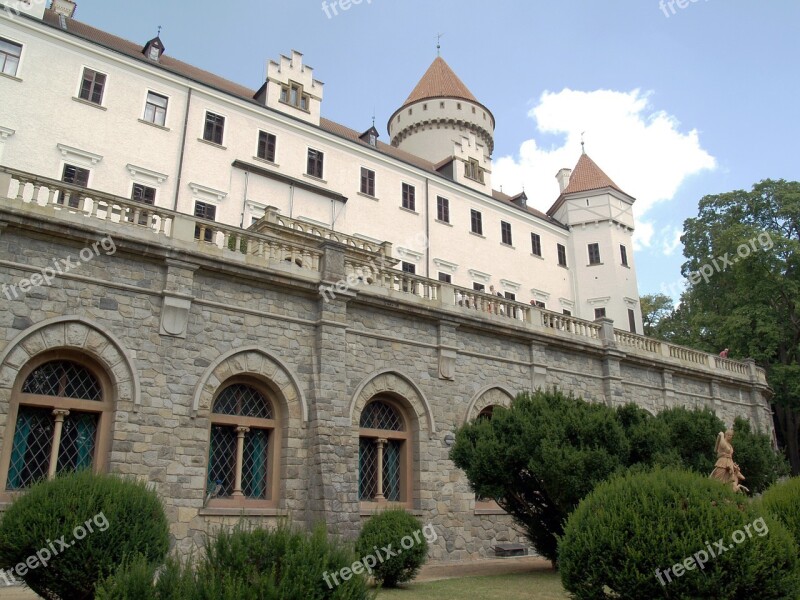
(438, 112)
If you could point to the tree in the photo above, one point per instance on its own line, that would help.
(655, 307)
(743, 267)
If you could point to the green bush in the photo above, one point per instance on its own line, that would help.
(759, 462)
(117, 517)
(627, 537)
(782, 501)
(244, 564)
(404, 533)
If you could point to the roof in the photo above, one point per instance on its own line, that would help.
(440, 81)
(587, 176)
(180, 68)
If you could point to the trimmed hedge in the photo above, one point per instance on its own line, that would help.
(393, 531)
(644, 535)
(101, 519)
(782, 501)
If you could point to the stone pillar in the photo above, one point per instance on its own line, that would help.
(538, 366)
(668, 388)
(177, 298)
(333, 439)
(59, 414)
(612, 379)
(448, 349)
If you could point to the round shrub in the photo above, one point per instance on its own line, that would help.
(396, 542)
(657, 534)
(246, 564)
(77, 529)
(782, 501)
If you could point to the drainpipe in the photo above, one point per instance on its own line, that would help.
(427, 230)
(183, 151)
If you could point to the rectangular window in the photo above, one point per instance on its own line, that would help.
(599, 313)
(623, 253)
(445, 277)
(409, 197)
(293, 94)
(442, 209)
(75, 176)
(594, 254)
(9, 57)
(567, 312)
(367, 182)
(92, 86)
(472, 170)
(536, 244)
(143, 193)
(204, 211)
(505, 232)
(562, 255)
(314, 163)
(409, 267)
(267, 143)
(155, 111)
(476, 222)
(510, 296)
(632, 320)
(478, 287)
(539, 304)
(214, 129)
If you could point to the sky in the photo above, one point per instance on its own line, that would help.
(676, 99)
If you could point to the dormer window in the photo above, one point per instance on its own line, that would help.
(370, 136)
(153, 49)
(293, 94)
(473, 170)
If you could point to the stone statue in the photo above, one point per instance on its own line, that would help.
(725, 470)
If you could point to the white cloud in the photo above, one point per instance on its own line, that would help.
(641, 149)
(672, 240)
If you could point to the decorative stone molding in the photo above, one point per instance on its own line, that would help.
(398, 385)
(142, 174)
(174, 315)
(447, 363)
(493, 395)
(258, 364)
(207, 194)
(81, 335)
(84, 156)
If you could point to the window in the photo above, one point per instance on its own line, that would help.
(478, 287)
(476, 222)
(567, 312)
(408, 267)
(204, 211)
(632, 320)
(293, 94)
(383, 449)
(505, 232)
(92, 86)
(145, 195)
(562, 255)
(314, 163)
(409, 197)
(242, 449)
(75, 176)
(267, 143)
(536, 244)
(445, 277)
(510, 296)
(367, 182)
(9, 57)
(215, 127)
(61, 407)
(539, 304)
(594, 254)
(599, 313)
(472, 170)
(623, 253)
(155, 110)
(442, 209)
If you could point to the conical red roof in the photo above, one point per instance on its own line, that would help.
(588, 176)
(440, 81)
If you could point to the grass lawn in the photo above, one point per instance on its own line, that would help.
(519, 586)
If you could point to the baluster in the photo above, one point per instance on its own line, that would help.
(21, 189)
(35, 197)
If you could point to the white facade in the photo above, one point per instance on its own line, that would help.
(45, 127)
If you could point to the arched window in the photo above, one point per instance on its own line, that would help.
(60, 409)
(487, 506)
(242, 461)
(384, 454)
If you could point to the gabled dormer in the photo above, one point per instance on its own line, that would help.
(472, 164)
(291, 88)
(154, 49)
(370, 136)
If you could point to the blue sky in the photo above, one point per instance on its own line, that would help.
(676, 102)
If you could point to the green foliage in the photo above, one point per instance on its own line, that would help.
(540, 457)
(757, 459)
(246, 564)
(638, 523)
(398, 528)
(692, 434)
(655, 308)
(782, 501)
(125, 516)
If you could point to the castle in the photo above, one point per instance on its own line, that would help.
(267, 314)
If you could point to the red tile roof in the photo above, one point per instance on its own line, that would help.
(587, 176)
(440, 81)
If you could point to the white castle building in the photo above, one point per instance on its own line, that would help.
(128, 119)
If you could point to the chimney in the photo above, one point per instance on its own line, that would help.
(65, 8)
(563, 178)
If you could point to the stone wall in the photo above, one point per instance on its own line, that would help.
(170, 320)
